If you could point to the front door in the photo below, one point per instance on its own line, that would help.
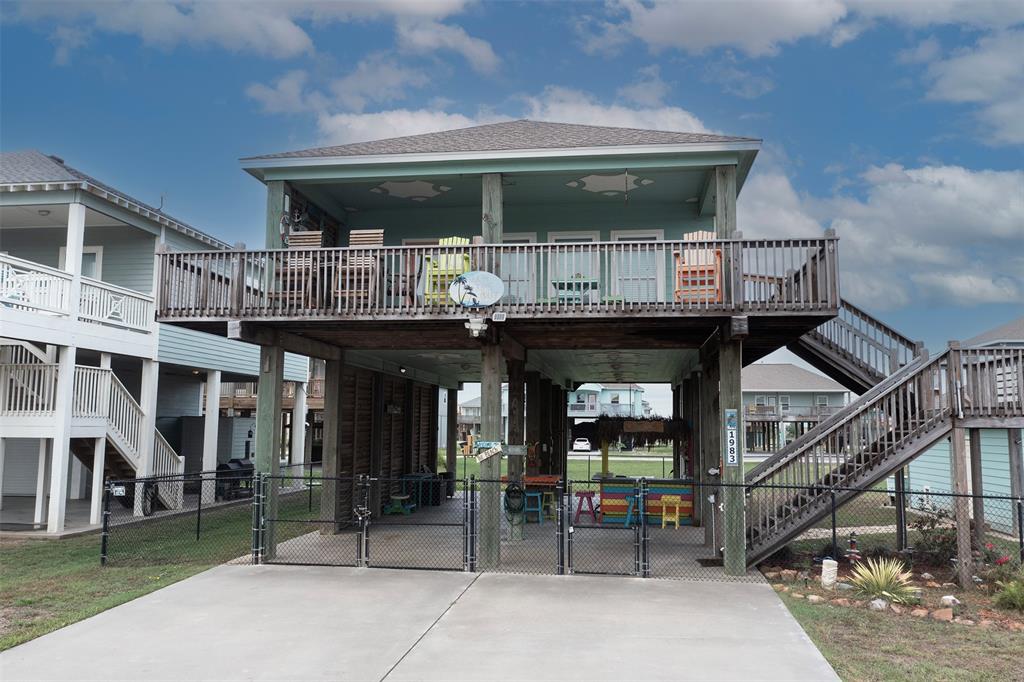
(519, 269)
(638, 272)
(574, 273)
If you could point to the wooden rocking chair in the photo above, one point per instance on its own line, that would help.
(295, 274)
(358, 273)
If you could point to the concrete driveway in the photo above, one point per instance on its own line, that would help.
(290, 622)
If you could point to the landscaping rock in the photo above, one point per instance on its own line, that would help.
(779, 587)
(950, 585)
(917, 593)
(841, 602)
(963, 621)
(950, 600)
(898, 610)
(772, 575)
(931, 583)
(927, 576)
(919, 613)
(814, 599)
(945, 615)
(878, 605)
(796, 595)
(844, 587)
(789, 575)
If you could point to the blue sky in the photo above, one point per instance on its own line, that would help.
(900, 124)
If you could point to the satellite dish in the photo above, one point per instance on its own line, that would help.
(476, 289)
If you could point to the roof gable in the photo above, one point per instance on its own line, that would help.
(763, 376)
(523, 134)
(1009, 334)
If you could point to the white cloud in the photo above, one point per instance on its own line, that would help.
(648, 89)
(270, 28)
(376, 79)
(991, 74)
(431, 36)
(933, 234)
(924, 52)
(737, 81)
(566, 105)
(287, 94)
(66, 40)
(342, 128)
(761, 27)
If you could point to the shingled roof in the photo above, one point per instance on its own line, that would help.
(511, 135)
(1009, 334)
(33, 167)
(764, 376)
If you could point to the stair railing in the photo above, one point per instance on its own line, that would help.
(866, 340)
(166, 462)
(28, 390)
(91, 386)
(856, 441)
(125, 417)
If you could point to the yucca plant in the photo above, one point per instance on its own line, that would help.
(883, 578)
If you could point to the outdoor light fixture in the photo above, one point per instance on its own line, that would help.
(44, 212)
(403, 370)
(476, 326)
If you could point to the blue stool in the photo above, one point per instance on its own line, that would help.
(537, 508)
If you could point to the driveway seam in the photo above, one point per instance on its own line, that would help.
(430, 627)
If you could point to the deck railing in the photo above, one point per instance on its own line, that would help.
(775, 411)
(28, 390)
(866, 340)
(25, 285)
(113, 305)
(92, 386)
(596, 278)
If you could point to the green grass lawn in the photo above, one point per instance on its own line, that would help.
(47, 584)
(867, 645)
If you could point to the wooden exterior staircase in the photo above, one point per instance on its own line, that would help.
(896, 419)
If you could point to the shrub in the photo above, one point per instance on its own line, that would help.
(883, 578)
(936, 545)
(1011, 595)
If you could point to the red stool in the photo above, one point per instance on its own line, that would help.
(581, 497)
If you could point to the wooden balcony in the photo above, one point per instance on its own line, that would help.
(593, 279)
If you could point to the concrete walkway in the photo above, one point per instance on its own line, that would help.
(289, 622)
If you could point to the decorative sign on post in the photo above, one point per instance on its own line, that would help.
(648, 426)
(476, 289)
(117, 490)
(732, 443)
(489, 452)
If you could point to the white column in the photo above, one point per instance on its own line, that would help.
(2, 443)
(75, 483)
(210, 433)
(61, 457)
(75, 239)
(147, 430)
(41, 479)
(99, 454)
(299, 428)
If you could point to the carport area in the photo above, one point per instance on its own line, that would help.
(329, 623)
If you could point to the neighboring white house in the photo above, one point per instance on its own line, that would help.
(615, 400)
(781, 401)
(90, 385)
(1002, 464)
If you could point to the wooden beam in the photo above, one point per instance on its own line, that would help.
(532, 407)
(330, 498)
(731, 398)
(490, 468)
(725, 201)
(977, 487)
(958, 475)
(276, 190)
(516, 415)
(268, 432)
(293, 343)
(492, 209)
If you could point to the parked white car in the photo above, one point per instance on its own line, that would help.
(581, 445)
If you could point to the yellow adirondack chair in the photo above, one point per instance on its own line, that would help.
(442, 269)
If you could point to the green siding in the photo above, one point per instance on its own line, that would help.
(190, 348)
(931, 470)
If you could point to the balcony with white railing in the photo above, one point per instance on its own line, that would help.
(790, 412)
(26, 286)
(597, 279)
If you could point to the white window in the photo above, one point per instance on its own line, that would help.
(821, 401)
(784, 403)
(92, 261)
(759, 400)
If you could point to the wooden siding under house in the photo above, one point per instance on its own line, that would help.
(543, 256)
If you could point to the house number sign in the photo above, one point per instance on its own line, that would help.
(732, 445)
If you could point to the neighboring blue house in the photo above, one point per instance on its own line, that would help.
(90, 385)
(931, 471)
(616, 400)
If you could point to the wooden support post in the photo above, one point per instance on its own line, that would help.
(492, 219)
(533, 406)
(958, 471)
(297, 449)
(516, 416)
(901, 509)
(691, 412)
(268, 432)
(1016, 471)
(676, 442)
(977, 487)
(330, 493)
(490, 468)
(604, 458)
(452, 431)
(731, 399)
(711, 438)
(546, 436)
(276, 190)
(725, 228)
(211, 424)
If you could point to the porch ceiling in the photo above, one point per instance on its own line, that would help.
(653, 186)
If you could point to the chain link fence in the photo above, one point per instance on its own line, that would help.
(615, 526)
